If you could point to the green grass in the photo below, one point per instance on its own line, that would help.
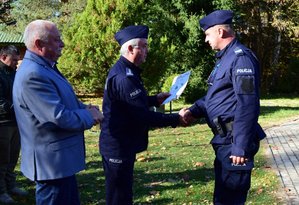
(177, 168)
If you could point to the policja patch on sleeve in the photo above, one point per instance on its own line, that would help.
(135, 93)
(244, 74)
(245, 81)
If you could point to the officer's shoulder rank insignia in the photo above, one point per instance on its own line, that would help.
(238, 51)
(129, 72)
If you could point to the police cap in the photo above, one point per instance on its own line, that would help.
(217, 17)
(131, 32)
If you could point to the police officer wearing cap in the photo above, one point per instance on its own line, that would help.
(231, 108)
(124, 130)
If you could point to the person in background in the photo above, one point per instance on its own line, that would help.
(9, 133)
(127, 116)
(50, 117)
(231, 108)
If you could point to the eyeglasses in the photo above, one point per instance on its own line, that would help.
(141, 47)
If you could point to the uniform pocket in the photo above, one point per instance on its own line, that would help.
(234, 177)
(220, 74)
(237, 179)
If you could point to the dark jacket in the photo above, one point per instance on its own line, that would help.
(233, 96)
(7, 75)
(126, 109)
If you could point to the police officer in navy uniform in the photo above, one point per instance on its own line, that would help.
(124, 130)
(231, 108)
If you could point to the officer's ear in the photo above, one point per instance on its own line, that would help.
(220, 32)
(130, 48)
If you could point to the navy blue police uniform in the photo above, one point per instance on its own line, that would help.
(124, 130)
(231, 108)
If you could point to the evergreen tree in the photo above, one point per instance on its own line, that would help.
(175, 40)
(25, 11)
(90, 49)
(268, 27)
(178, 23)
(5, 16)
(21, 12)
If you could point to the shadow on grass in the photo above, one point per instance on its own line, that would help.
(266, 110)
(156, 201)
(147, 184)
(90, 185)
(279, 95)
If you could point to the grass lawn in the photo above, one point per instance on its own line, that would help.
(177, 168)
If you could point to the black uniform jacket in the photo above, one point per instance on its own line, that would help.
(126, 110)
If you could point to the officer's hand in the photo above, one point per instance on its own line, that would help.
(183, 122)
(96, 114)
(187, 115)
(238, 159)
(161, 97)
(93, 106)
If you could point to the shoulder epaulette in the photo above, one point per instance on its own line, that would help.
(238, 51)
(129, 72)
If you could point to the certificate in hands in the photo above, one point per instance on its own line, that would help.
(179, 83)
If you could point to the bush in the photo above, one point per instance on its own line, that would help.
(195, 89)
(289, 80)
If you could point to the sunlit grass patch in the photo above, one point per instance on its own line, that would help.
(177, 168)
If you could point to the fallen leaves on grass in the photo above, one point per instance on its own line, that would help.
(199, 164)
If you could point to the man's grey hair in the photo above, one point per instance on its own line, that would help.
(133, 42)
(228, 28)
(37, 29)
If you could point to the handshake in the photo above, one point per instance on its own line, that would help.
(96, 113)
(186, 117)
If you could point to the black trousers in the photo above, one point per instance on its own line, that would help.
(9, 155)
(119, 179)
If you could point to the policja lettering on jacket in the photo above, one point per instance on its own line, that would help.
(127, 116)
(135, 93)
(245, 70)
(231, 108)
